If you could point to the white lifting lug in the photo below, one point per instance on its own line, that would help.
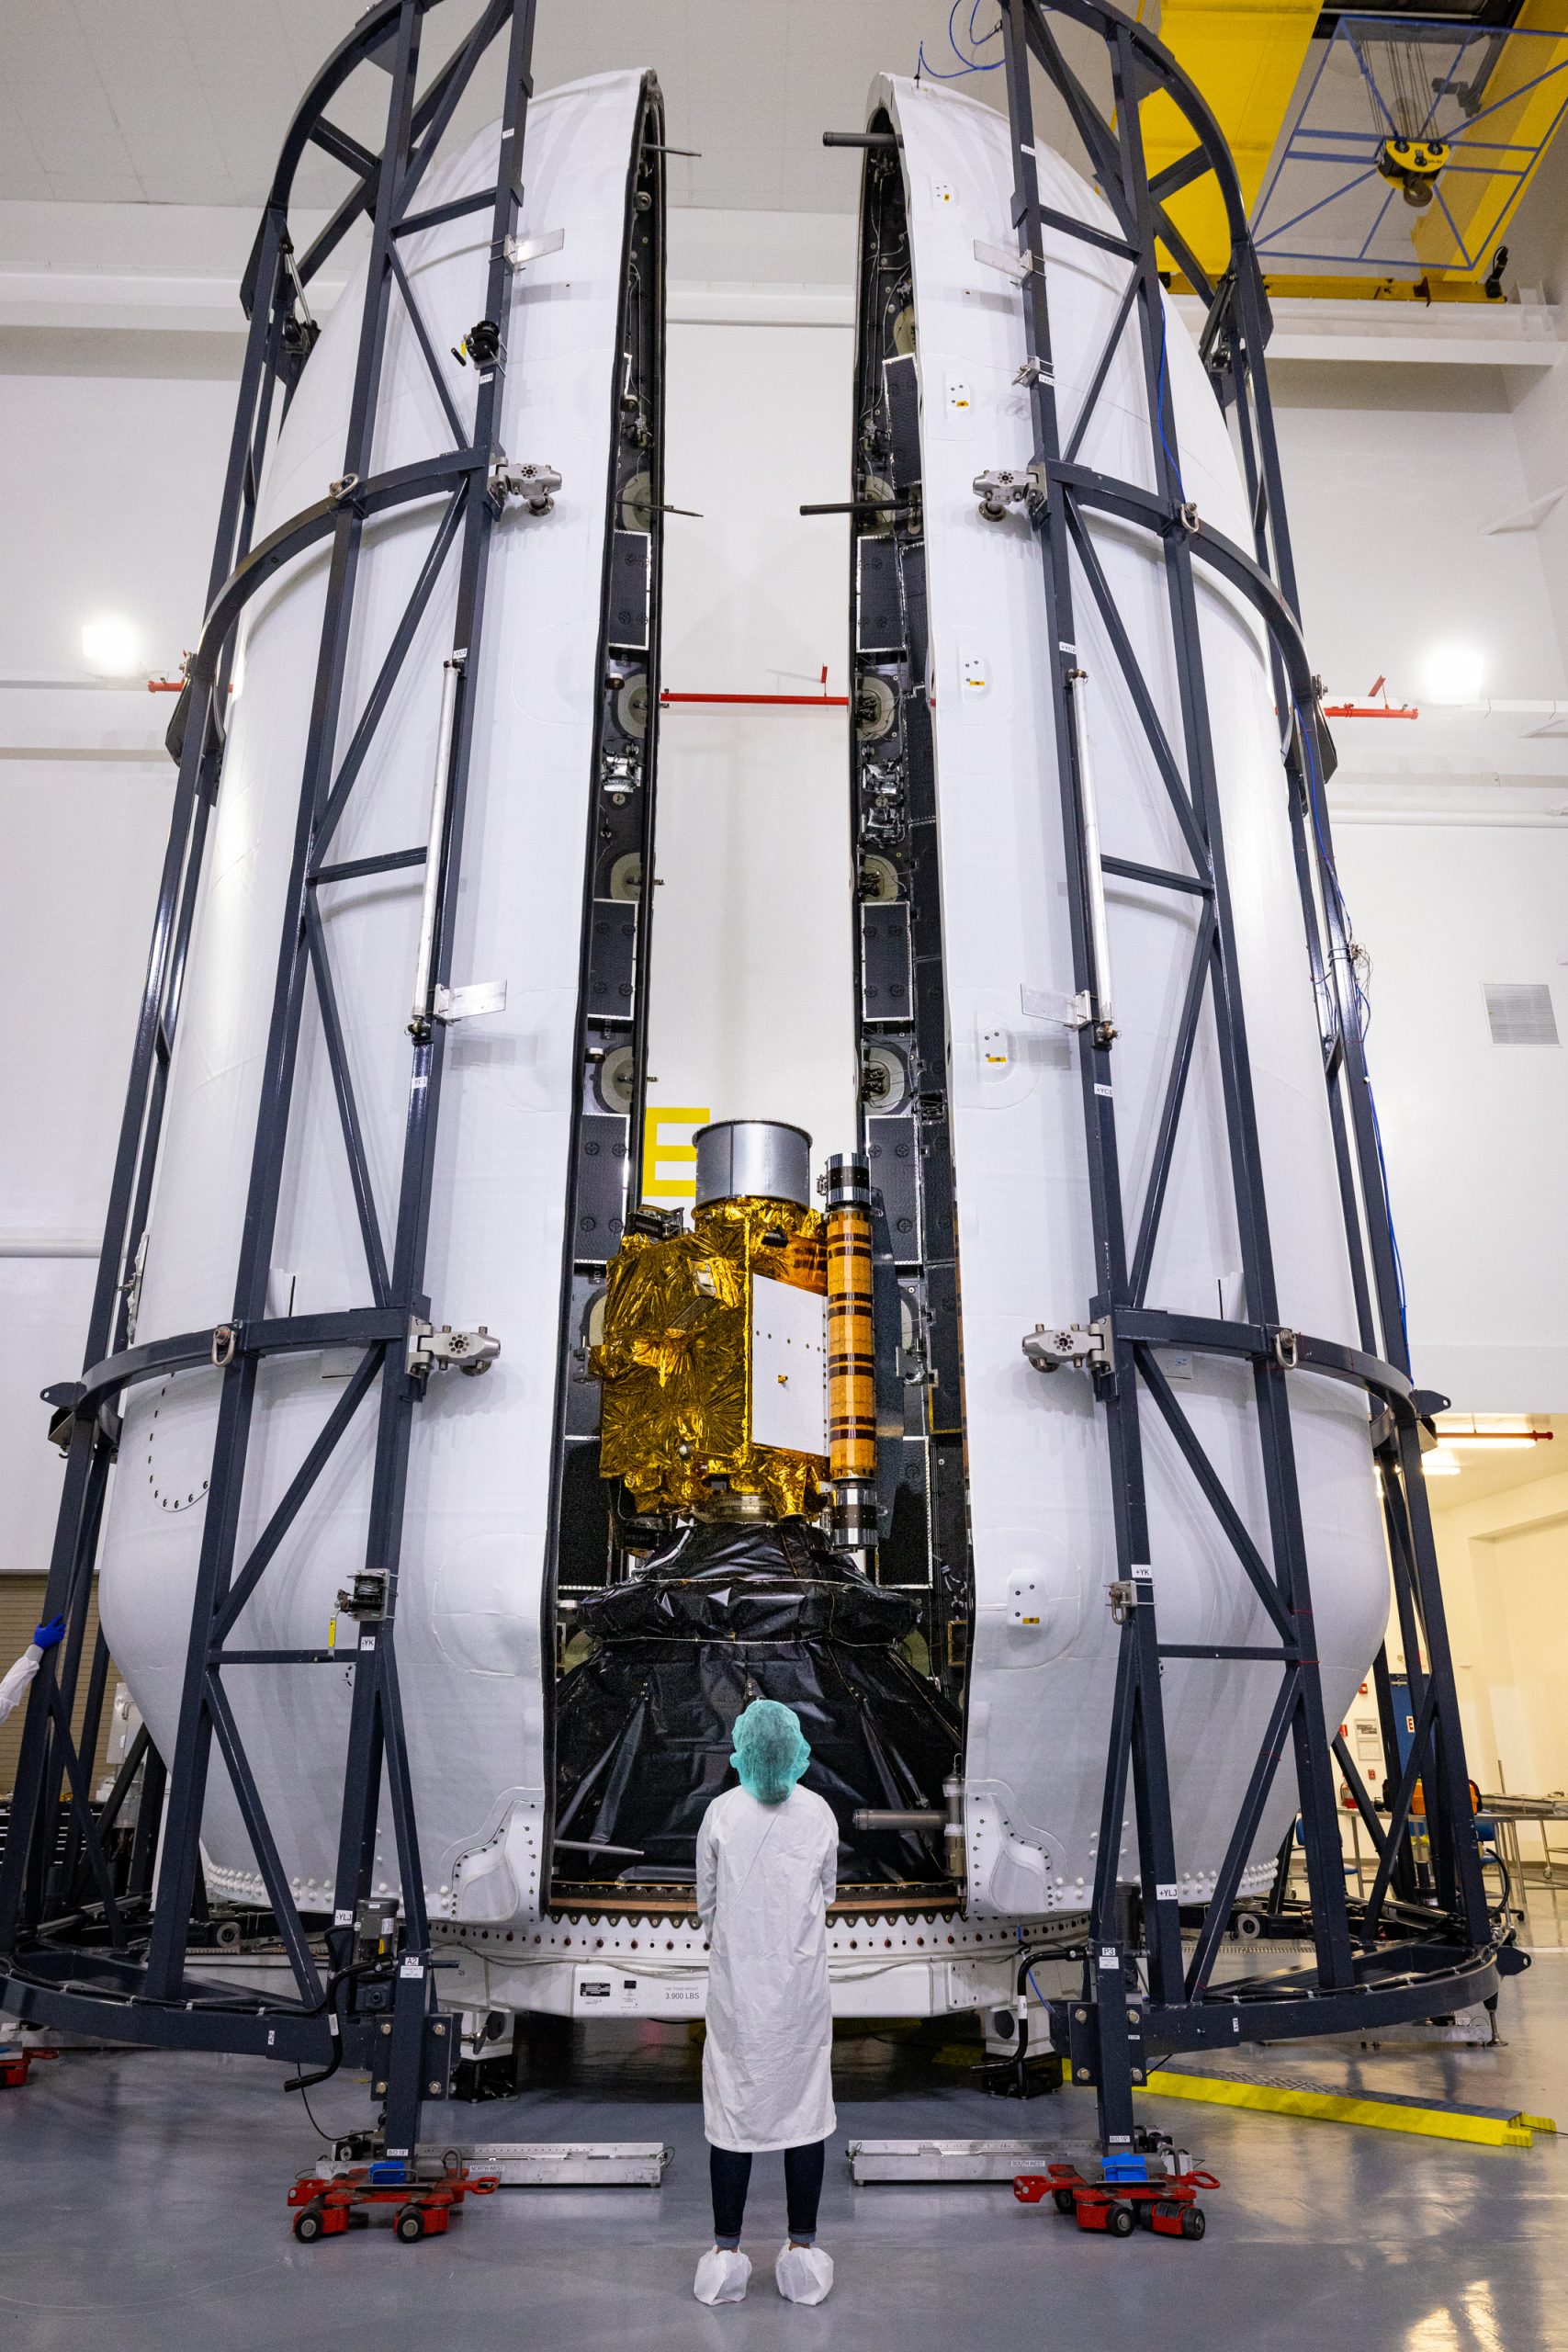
(1085, 1347)
(536, 485)
(429, 1349)
(1001, 489)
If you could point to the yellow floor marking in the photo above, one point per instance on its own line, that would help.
(1329, 2107)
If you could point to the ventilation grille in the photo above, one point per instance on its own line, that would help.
(1520, 1016)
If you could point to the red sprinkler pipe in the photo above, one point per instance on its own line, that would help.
(1370, 709)
(823, 701)
(806, 702)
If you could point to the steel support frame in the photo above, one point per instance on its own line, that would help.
(116, 1961)
(1370, 1961)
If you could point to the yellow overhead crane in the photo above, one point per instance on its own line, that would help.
(1247, 58)
(1525, 90)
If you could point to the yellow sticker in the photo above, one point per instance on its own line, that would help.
(668, 1154)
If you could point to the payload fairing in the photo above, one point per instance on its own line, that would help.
(975, 1560)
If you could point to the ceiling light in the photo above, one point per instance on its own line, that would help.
(1454, 673)
(111, 647)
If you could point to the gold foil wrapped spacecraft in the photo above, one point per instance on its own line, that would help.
(675, 1361)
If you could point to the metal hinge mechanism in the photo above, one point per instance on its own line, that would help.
(534, 485)
(1002, 487)
(1087, 1347)
(429, 1349)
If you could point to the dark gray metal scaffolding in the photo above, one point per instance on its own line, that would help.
(1435, 1949)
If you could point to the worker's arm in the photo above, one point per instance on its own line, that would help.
(14, 1685)
(830, 1861)
(708, 1872)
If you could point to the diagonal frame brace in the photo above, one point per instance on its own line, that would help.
(1214, 1495)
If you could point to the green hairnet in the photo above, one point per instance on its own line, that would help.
(770, 1752)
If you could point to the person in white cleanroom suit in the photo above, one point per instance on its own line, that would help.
(767, 1869)
(14, 1685)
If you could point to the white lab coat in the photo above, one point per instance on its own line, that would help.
(766, 1874)
(13, 1686)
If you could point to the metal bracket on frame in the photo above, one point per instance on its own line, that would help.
(1009, 259)
(468, 1003)
(1130, 1592)
(518, 251)
(1064, 1012)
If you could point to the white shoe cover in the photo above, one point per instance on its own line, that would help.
(722, 2275)
(803, 2274)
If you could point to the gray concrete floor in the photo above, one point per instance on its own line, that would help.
(144, 2208)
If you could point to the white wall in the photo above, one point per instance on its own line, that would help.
(1503, 1560)
(108, 487)
(751, 1010)
(1475, 1134)
(1452, 843)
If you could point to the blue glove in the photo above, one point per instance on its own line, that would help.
(47, 1636)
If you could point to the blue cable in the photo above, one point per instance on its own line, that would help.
(1364, 1010)
(1159, 402)
(1392, 1236)
(965, 64)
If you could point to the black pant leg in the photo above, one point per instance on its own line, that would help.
(729, 2172)
(804, 2168)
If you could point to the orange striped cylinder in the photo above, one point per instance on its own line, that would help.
(852, 1346)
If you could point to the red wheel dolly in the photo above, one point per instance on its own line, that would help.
(16, 2064)
(1122, 2200)
(425, 2198)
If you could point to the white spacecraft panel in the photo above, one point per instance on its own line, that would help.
(789, 1366)
(474, 1544)
(1040, 1497)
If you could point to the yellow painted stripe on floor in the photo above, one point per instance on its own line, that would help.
(1328, 2107)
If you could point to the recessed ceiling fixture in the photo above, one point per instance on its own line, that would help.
(1520, 1014)
(112, 647)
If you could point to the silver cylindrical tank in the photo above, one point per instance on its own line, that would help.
(759, 1159)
